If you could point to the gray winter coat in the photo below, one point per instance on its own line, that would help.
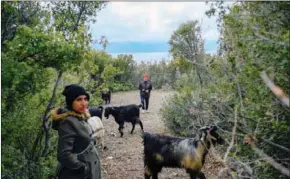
(75, 146)
(145, 88)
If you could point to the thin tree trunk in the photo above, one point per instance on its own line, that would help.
(199, 77)
(45, 116)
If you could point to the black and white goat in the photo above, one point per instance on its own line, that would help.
(166, 151)
(127, 113)
(97, 111)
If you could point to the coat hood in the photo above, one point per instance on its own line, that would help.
(60, 114)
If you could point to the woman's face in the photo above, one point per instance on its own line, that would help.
(80, 104)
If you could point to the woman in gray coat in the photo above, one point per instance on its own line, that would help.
(76, 154)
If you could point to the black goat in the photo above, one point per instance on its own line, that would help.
(97, 111)
(127, 113)
(166, 151)
(106, 96)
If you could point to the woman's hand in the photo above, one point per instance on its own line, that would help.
(83, 170)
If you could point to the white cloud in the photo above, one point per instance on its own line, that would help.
(150, 21)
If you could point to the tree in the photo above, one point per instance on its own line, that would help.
(267, 38)
(15, 14)
(95, 64)
(254, 38)
(126, 65)
(70, 15)
(37, 54)
(186, 42)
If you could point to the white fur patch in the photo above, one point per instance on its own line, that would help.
(95, 123)
(98, 129)
(185, 147)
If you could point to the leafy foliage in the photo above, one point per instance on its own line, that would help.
(35, 57)
(254, 38)
(45, 46)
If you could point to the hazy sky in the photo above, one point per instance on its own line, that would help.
(144, 28)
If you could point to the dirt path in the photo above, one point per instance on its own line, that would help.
(124, 157)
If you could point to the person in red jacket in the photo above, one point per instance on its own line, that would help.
(145, 87)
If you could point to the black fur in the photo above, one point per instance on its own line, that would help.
(106, 96)
(166, 151)
(97, 111)
(127, 113)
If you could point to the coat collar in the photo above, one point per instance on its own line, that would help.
(63, 113)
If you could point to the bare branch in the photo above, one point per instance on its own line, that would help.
(251, 140)
(270, 160)
(45, 118)
(225, 131)
(81, 11)
(275, 89)
(233, 137)
(276, 145)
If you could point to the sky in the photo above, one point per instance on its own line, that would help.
(143, 29)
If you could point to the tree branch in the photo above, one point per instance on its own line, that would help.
(82, 8)
(44, 119)
(275, 89)
(275, 145)
(270, 160)
(251, 140)
(233, 137)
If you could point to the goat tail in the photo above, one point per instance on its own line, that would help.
(140, 105)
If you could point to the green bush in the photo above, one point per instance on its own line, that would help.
(118, 86)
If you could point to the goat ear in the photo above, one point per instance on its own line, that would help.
(204, 128)
(213, 128)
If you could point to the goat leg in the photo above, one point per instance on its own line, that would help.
(154, 175)
(141, 124)
(147, 176)
(201, 175)
(103, 143)
(133, 127)
(192, 174)
(121, 131)
(147, 172)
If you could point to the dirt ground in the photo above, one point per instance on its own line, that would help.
(124, 157)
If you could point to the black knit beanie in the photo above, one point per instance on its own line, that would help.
(71, 92)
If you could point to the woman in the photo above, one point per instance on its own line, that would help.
(76, 154)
